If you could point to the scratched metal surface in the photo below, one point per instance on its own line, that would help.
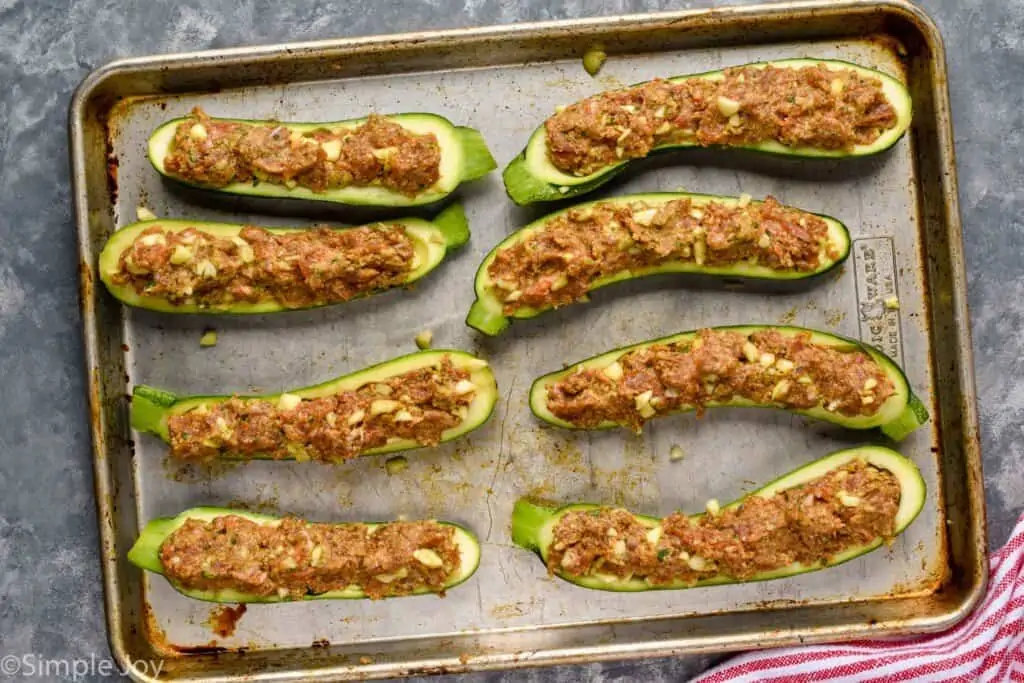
(476, 480)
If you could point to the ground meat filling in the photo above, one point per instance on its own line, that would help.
(296, 270)
(766, 367)
(809, 106)
(217, 153)
(297, 558)
(560, 262)
(419, 405)
(850, 506)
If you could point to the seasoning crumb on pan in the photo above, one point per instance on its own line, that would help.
(892, 303)
(209, 338)
(144, 213)
(675, 454)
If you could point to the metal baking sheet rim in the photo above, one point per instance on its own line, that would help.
(104, 486)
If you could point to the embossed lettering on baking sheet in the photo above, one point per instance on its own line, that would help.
(874, 261)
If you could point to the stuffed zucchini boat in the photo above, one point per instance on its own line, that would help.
(394, 160)
(829, 512)
(559, 258)
(222, 555)
(793, 107)
(813, 373)
(182, 266)
(422, 399)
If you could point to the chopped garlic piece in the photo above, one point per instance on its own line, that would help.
(870, 384)
(153, 240)
(403, 416)
(198, 132)
(713, 507)
(767, 359)
(744, 201)
(697, 563)
(464, 386)
(356, 417)
(654, 535)
(750, 352)
(784, 365)
(764, 241)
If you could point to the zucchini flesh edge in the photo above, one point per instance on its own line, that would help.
(145, 554)
(464, 157)
(531, 178)
(897, 417)
(487, 315)
(151, 407)
(432, 240)
(533, 524)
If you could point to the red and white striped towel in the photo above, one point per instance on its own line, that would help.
(987, 646)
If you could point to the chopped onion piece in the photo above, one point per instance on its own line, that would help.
(143, 213)
(288, 402)
(428, 558)
(384, 405)
(727, 106)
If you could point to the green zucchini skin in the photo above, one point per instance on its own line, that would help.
(464, 157)
(486, 314)
(151, 407)
(901, 414)
(532, 524)
(531, 178)
(433, 241)
(145, 554)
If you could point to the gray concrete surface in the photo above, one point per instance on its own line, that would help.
(50, 592)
